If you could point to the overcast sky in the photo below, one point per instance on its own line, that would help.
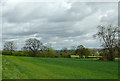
(60, 23)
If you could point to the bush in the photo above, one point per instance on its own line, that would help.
(24, 54)
(16, 54)
(65, 55)
(51, 52)
(42, 54)
(6, 53)
(57, 55)
(107, 56)
(103, 58)
(61, 54)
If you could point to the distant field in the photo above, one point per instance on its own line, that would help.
(77, 56)
(57, 68)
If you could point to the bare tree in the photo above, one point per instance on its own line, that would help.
(109, 38)
(32, 45)
(9, 46)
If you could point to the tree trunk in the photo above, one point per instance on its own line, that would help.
(111, 55)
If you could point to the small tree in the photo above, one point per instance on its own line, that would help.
(32, 45)
(86, 52)
(9, 46)
(79, 50)
(82, 51)
(108, 36)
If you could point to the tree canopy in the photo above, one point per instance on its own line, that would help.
(32, 45)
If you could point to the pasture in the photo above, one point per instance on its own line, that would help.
(16, 67)
(0, 67)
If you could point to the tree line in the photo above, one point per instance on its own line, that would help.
(108, 36)
(33, 46)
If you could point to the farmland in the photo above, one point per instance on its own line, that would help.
(0, 67)
(16, 67)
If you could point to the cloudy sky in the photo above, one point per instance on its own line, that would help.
(63, 24)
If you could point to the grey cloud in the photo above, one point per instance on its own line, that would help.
(62, 24)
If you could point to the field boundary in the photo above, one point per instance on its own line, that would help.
(60, 80)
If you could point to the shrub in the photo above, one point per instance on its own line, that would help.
(42, 54)
(103, 58)
(51, 52)
(65, 55)
(6, 53)
(17, 53)
(107, 56)
(24, 54)
(57, 55)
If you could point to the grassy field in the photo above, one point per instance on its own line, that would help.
(57, 68)
(0, 67)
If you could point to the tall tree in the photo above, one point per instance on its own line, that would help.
(9, 46)
(108, 36)
(32, 45)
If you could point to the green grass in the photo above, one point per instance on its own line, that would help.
(0, 66)
(15, 67)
